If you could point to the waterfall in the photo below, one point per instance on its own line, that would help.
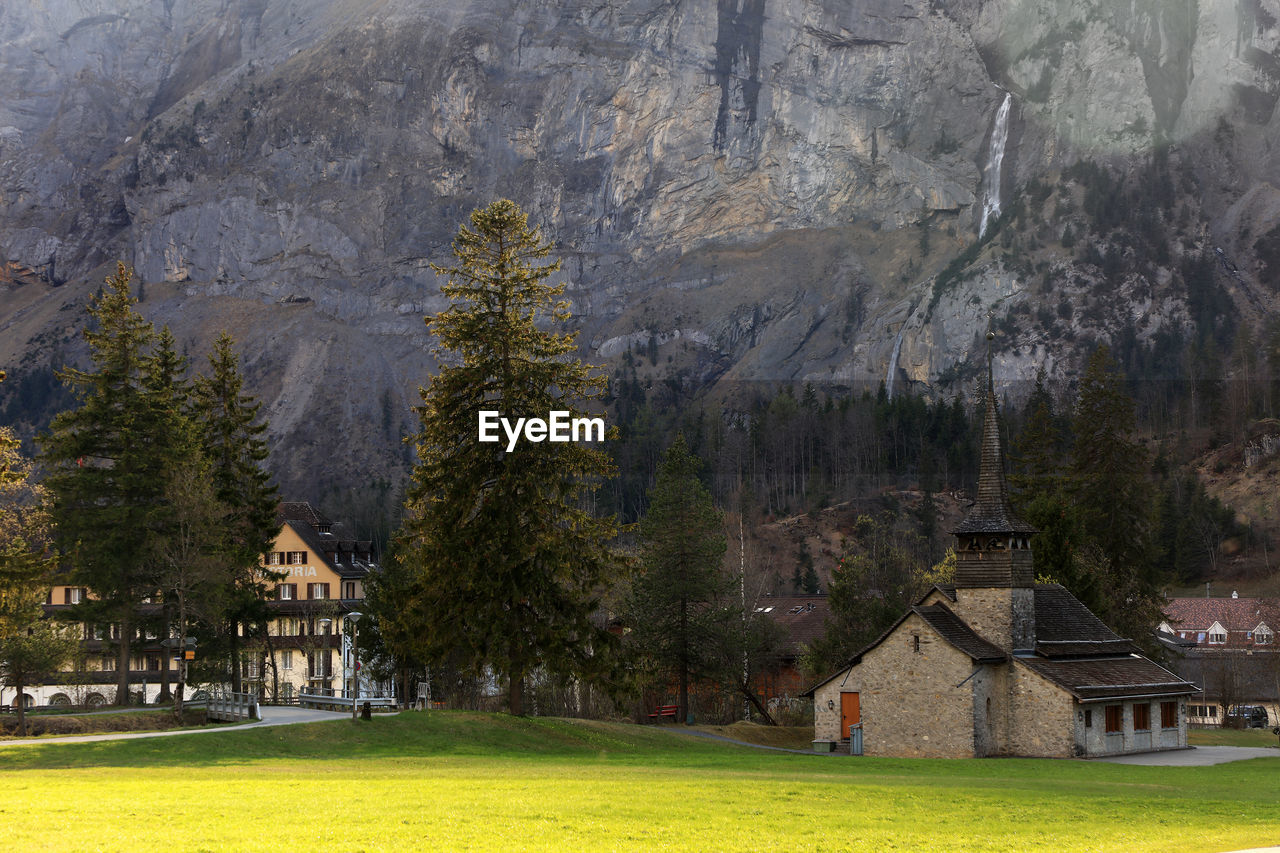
(999, 135)
(893, 363)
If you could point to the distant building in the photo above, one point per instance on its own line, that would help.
(1228, 646)
(307, 647)
(802, 620)
(996, 664)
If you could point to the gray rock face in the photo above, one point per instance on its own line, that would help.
(747, 180)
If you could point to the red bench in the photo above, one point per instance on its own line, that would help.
(665, 711)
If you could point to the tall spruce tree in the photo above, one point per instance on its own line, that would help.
(672, 602)
(1113, 498)
(233, 440)
(107, 460)
(1040, 492)
(511, 560)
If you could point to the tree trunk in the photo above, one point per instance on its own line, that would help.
(22, 708)
(164, 695)
(683, 702)
(122, 664)
(182, 662)
(236, 683)
(515, 698)
(751, 697)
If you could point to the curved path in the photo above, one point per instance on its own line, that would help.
(271, 716)
(1196, 756)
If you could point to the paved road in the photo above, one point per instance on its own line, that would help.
(1199, 756)
(271, 716)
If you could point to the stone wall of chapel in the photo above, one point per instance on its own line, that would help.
(917, 703)
(1095, 740)
(989, 612)
(1041, 718)
(990, 710)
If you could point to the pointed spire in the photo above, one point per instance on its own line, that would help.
(992, 512)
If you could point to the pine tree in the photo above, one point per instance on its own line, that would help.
(1113, 499)
(107, 461)
(682, 542)
(1040, 494)
(233, 440)
(512, 562)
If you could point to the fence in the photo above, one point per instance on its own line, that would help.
(233, 707)
(338, 703)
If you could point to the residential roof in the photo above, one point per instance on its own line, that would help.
(301, 511)
(344, 556)
(957, 633)
(1241, 677)
(1094, 680)
(1234, 614)
(802, 617)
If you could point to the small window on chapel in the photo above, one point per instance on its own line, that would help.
(915, 643)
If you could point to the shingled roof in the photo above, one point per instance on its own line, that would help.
(1066, 628)
(1234, 614)
(802, 617)
(1095, 680)
(991, 512)
(301, 511)
(958, 634)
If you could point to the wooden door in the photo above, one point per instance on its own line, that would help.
(850, 712)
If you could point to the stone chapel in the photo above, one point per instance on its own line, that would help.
(997, 664)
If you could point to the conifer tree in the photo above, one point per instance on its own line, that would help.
(682, 542)
(107, 460)
(1040, 493)
(511, 561)
(1113, 499)
(233, 440)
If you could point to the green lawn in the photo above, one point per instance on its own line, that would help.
(447, 781)
(1232, 737)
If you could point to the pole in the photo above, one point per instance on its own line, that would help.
(355, 667)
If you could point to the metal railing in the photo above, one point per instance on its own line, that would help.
(233, 707)
(323, 701)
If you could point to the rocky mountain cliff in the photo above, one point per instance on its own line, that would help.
(779, 190)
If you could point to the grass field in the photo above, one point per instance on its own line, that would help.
(456, 781)
(1232, 737)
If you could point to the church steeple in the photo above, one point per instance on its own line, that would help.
(993, 545)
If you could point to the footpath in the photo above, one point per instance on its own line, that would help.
(271, 716)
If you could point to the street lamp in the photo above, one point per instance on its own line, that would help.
(324, 622)
(355, 662)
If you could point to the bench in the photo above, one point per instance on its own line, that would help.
(665, 711)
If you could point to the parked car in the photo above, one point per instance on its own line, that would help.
(1247, 717)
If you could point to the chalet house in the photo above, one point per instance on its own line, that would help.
(802, 620)
(316, 583)
(317, 586)
(1228, 646)
(997, 664)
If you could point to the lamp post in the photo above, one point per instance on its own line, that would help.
(355, 662)
(324, 623)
